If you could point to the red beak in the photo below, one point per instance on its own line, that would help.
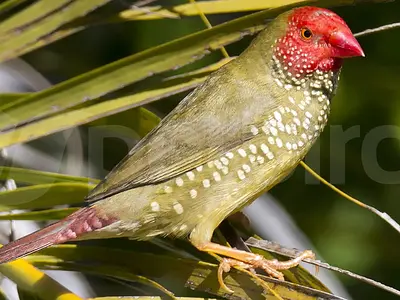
(345, 45)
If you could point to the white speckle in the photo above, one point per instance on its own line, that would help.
(218, 164)
(193, 193)
(210, 164)
(265, 129)
(246, 168)
(270, 155)
(316, 126)
(190, 175)
(229, 155)
(217, 176)
(274, 131)
(279, 142)
(294, 113)
(288, 86)
(242, 152)
(304, 136)
(264, 148)
(225, 161)
(241, 174)
(225, 170)
(252, 158)
(277, 116)
(253, 149)
(272, 122)
(281, 109)
(271, 140)
(155, 206)
(179, 181)
(206, 183)
(199, 168)
(254, 130)
(167, 189)
(288, 129)
(183, 227)
(320, 118)
(281, 127)
(260, 159)
(308, 114)
(178, 208)
(289, 146)
(305, 125)
(294, 146)
(279, 82)
(301, 107)
(291, 99)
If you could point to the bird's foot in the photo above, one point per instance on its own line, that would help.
(255, 261)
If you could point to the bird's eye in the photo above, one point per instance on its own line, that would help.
(306, 33)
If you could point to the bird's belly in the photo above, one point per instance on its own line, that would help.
(213, 190)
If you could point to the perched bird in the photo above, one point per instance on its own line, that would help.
(231, 139)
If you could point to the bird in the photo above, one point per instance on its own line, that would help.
(234, 137)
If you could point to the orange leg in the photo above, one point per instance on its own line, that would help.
(248, 260)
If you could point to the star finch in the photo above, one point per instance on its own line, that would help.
(234, 137)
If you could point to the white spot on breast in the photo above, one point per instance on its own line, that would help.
(225, 161)
(183, 227)
(199, 168)
(274, 131)
(308, 114)
(217, 176)
(155, 206)
(242, 152)
(291, 99)
(288, 146)
(218, 164)
(241, 174)
(260, 159)
(229, 155)
(253, 148)
(193, 193)
(270, 155)
(167, 189)
(271, 140)
(279, 142)
(210, 164)
(179, 181)
(252, 158)
(225, 170)
(178, 208)
(254, 130)
(206, 183)
(304, 136)
(190, 175)
(294, 146)
(277, 116)
(246, 168)
(264, 148)
(281, 127)
(288, 129)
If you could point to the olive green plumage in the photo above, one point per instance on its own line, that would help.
(223, 145)
(231, 139)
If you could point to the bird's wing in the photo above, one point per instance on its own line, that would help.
(214, 118)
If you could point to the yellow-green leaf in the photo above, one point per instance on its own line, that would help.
(44, 196)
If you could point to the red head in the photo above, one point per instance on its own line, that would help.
(315, 39)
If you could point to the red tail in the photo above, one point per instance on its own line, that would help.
(73, 226)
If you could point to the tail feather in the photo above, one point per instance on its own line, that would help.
(83, 221)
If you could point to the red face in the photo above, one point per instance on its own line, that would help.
(316, 39)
